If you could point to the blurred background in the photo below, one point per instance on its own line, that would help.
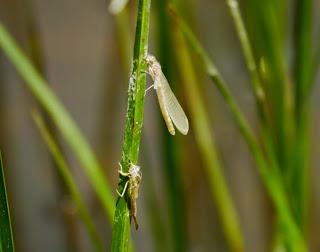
(84, 53)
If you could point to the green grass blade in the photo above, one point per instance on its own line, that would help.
(213, 168)
(6, 238)
(133, 125)
(64, 170)
(203, 135)
(268, 21)
(124, 37)
(316, 62)
(257, 86)
(303, 52)
(61, 118)
(268, 171)
(300, 174)
(173, 173)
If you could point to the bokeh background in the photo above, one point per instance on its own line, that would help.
(83, 62)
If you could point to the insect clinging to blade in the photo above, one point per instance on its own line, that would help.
(170, 108)
(134, 178)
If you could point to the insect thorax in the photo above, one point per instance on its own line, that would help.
(134, 171)
(154, 68)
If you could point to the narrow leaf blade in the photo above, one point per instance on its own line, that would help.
(6, 238)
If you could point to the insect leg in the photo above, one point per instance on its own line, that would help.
(145, 92)
(126, 174)
(124, 190)
(135, 221)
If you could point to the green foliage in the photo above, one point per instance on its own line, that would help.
(268, 167)
(281, 149)
(61, 118)
(213, 168)
(173, 164)
(6, 238)
(65, 172)
(133, 125)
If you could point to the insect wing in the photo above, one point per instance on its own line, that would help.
(173, 107)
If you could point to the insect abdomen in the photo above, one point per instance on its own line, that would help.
(164, 111)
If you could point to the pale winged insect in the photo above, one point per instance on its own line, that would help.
(170, 108)
(134, 179)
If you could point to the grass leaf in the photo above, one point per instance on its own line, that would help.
(65, 173)
(61, 118)
(268, 170)
(213, 168)
(133, 125)
(6, 238)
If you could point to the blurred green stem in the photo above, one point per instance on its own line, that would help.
(133, 125)
(62, 119)
(172, 162)
(250, 61)
(6, 237)
(64, 170)
(268, 171)
(257, 86)
(303, 52)
(201, 126)
(303, 83)
(124, 38)
(154, 211)
(316, 60)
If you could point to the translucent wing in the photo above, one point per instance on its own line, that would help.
(173, 107)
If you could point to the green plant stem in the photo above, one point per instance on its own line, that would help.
(37, 57)
(218, 185)
(316, 62)
(201, 126)
(303, 83)
(257, 87)
(303, 52)
(133, 125)
(124, 38)
(64, 170)
(6, 237)
(61, 118)
(269, 22)
(154, 211)
(268, 172)
(172, 161)
(250, 61)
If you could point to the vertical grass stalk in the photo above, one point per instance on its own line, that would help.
(124, 37)
(303, 83)
(256, 83)
(257, 86)
(173, 175)
(269, 25)
(64, 170)
(72, 134)
(303, 52)
(133, 125)
(201, 125)
(316, 61)
(268, 170)
(6, 238)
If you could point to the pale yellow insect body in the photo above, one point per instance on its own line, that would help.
(170, 108)
(135, 176)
